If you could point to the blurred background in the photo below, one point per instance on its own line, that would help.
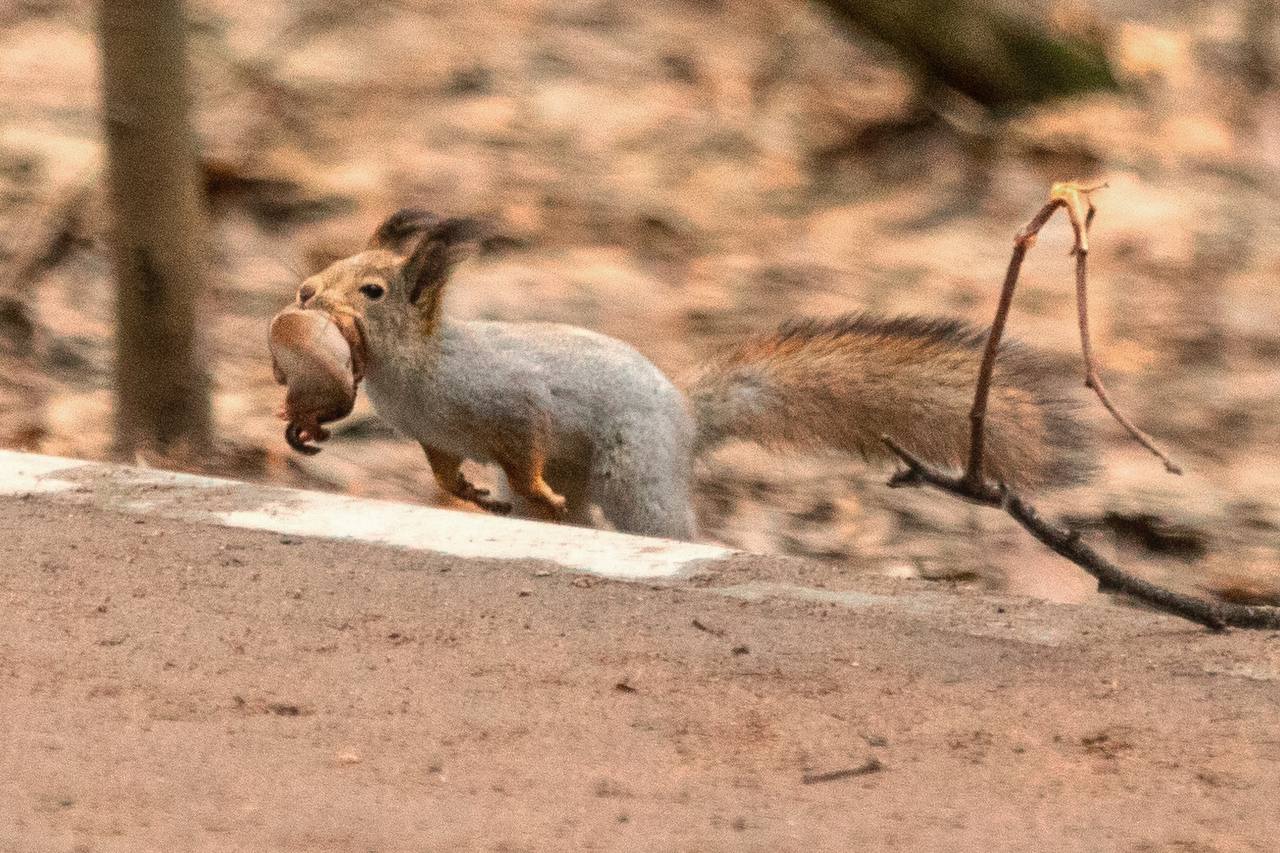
(677, 173)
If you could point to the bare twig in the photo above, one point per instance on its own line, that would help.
(1067, 543)
(710, 629)
(978, 414)
(871, 765)
(1075, 199)
(973, 486)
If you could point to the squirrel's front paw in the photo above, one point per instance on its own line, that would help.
(480, 497)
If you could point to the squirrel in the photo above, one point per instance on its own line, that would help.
(575, 418)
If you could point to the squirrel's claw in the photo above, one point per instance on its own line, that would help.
(480, 497)
(496, 507)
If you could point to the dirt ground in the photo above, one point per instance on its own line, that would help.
(175, 687)
(679, 173)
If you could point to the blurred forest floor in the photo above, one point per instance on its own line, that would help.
(679, 173)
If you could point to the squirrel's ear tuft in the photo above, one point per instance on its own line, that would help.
(398, 230)
(442, 246)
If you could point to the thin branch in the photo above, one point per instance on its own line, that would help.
(1067, 543)
(1092, 379)
(1022, 241)
(1080, 210)
(973, 486)
(871, 765)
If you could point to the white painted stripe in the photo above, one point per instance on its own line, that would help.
(27, 473)
(207, 500)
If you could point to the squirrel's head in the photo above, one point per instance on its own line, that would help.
(393, 287)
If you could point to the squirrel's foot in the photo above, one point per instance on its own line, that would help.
(529, 485)
(555, 506)
(480, 497)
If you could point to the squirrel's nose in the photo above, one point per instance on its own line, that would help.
(305, 294)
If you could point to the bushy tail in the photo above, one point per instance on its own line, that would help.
(841, 384)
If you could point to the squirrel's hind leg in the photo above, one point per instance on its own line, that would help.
(525, 479)
(573, 480)
(524, 468)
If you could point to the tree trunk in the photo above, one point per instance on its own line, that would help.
(162, 386)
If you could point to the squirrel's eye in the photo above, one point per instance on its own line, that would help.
(373, 291)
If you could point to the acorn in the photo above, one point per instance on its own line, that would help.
(311, 356)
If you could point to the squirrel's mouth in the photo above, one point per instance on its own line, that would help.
(351, 325)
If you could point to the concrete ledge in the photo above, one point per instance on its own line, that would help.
(701, 569)
(208, 500)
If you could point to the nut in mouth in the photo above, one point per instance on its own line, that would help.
(322, 384)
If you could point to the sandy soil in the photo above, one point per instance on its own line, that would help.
(169, 687)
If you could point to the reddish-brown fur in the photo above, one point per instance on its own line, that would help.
(843, 383)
